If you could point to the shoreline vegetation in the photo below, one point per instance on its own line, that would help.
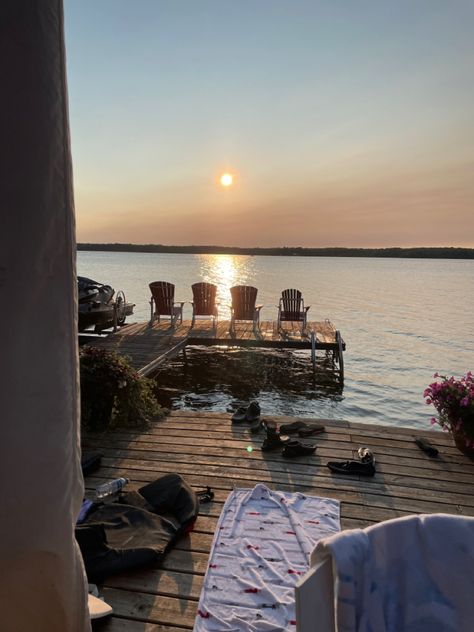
(393, 253)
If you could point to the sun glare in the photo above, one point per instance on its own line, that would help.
(227, 179)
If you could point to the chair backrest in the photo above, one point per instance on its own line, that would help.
(244, 298)
(292, 304)
(204, 296)
(163, 296)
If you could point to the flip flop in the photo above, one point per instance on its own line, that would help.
(311, 430)
(294, 449)
(352, 467)
(426, 446)
(253, 412)
(293, 427)
(240, 416)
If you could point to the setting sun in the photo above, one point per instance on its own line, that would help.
(227, 179)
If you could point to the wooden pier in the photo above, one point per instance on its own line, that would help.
(207, 449)
(149, 346)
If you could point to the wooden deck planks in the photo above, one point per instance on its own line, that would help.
(150, 346)
(208, 450)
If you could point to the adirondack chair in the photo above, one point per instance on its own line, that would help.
(204, 302)
(243, 306)
(162, 303)
(292, 308)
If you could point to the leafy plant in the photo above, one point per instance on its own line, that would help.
(113, 394)
(454, 401)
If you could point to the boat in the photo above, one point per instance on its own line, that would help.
(100, 307)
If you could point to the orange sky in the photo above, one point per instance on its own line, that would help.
(343, 127)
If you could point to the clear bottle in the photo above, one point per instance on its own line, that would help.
(110, 488)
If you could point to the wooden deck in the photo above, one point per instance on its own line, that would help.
(150, 346)
(208, 450)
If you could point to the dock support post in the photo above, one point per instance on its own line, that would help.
(340, 351)
(313, 349)
(185, 357)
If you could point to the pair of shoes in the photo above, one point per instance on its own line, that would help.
(364, 467)
(295, 448)
(274, 440)
(291, 448)
(251, 414)
(302, 428)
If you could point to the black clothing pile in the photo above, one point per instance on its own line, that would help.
(138, 529)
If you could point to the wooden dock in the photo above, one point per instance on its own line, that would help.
(148, 347)
(207, 449)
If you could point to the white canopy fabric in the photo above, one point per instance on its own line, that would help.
(42, 582)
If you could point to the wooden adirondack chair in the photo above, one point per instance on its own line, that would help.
(204, 302)
(292, 308)
(243, 306)
(162, 303)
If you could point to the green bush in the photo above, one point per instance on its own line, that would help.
(113, 394)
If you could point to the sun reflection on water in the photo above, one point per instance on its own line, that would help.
(225, 271)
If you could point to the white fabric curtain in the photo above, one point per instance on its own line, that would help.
(42, 581)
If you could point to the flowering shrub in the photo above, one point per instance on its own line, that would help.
(113, 393)
(454, 401)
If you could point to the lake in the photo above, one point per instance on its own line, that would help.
(401, 319)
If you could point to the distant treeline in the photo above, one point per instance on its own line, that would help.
(407, 253)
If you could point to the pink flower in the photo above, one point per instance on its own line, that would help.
(433, 420)
(464, 401)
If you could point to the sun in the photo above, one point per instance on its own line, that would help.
(227, 179)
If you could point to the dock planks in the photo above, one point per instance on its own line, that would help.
(208, 450)
(148, 347)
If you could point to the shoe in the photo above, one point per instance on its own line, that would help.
(256, 426)
(311, 430)
(426, 446)
(240, 416)
(269, 425)
(352, 467)
(293, 427)
(365, 455)
(294, 449)
(274, 441)
(253, 412)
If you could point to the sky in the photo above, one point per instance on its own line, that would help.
(344, 123)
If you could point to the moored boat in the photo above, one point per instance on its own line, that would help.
(99, 306)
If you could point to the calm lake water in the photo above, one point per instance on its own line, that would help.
(401, 319)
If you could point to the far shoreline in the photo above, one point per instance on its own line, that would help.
(390, 253)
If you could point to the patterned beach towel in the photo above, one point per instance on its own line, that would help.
(261, 548)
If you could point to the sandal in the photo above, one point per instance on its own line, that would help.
(205, 495)
(293, 427)
(311, 430)
(426, 446)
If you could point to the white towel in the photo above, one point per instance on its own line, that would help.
(261, 548)
(412, 574)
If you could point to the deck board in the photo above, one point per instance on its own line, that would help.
(148, 347)
(208, 450)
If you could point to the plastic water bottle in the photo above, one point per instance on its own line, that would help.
(110, 488)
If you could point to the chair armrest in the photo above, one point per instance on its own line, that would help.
(179, 303)
(307, 307)
(258, 307)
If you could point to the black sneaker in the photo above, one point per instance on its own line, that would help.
(359, 468)
(294, 449)
(274, 441)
